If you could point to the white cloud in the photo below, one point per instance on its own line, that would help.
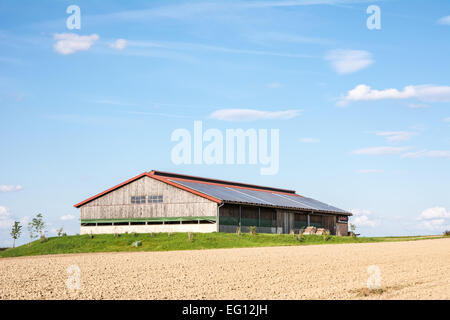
(396, 136)
(447, 119)
(348, 61)
(369, 171)
(379, 151)
(119, 44)
(6, 221)
(435, 212)
(362, 218)
(9, 188)
(444, 20)
(435, 219)
(24, 221)
(417, 105)
(4, 212)
(427, 92)
(67, 217)
(5, 218)
(68, 43)
(428, 154)
(309, 140)
(252, 115)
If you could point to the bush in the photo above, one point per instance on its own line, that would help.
(326, 235)
(447, 233)
(301, 237)
(134, 234)
(91, 236)
(43, 238)
(252, 230)
(116, 235)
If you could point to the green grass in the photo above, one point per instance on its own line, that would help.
(178, 241)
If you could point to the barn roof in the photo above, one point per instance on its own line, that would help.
(221, 191)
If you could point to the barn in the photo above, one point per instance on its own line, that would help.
(158, 201)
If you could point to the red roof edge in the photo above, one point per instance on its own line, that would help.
(151, 175)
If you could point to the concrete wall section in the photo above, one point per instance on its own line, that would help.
(202, 228)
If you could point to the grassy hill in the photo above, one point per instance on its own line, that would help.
(178, 241)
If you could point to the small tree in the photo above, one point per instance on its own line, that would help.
(37, 227)
(59, 232)
(16, 232)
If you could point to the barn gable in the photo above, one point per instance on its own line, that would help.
(169, 201)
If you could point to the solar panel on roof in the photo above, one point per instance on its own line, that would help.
(230, 194)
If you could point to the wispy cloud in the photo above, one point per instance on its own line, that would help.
(189, 46)
(417, 105)
(447, 119)
(380, 151)
(10, 188)
(185, 10)
(349, 61)
(274, 85)
(428, 154)
(119, 44)
(427, 92)
(309, 140)
(364, 171)
(264, 37)
(252, 114)
(114, 102)
(68, 43)
(444, 20)
(296, 3)
(396, 136)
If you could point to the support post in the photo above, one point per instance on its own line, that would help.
(259, 216)
(309, 220)
(240, 215)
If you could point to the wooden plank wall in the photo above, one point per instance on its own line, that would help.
(177, 202)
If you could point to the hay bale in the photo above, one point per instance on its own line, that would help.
(310, 230)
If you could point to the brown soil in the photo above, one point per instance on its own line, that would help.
(409, 270)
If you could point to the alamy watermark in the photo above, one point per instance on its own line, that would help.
(240, 147)
(74, 20)
(374, 20)
(374, 280)
(73, 282)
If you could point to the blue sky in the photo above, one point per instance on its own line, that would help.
(366, 113)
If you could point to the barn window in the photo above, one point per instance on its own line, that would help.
(138, 200)
(155, 199)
